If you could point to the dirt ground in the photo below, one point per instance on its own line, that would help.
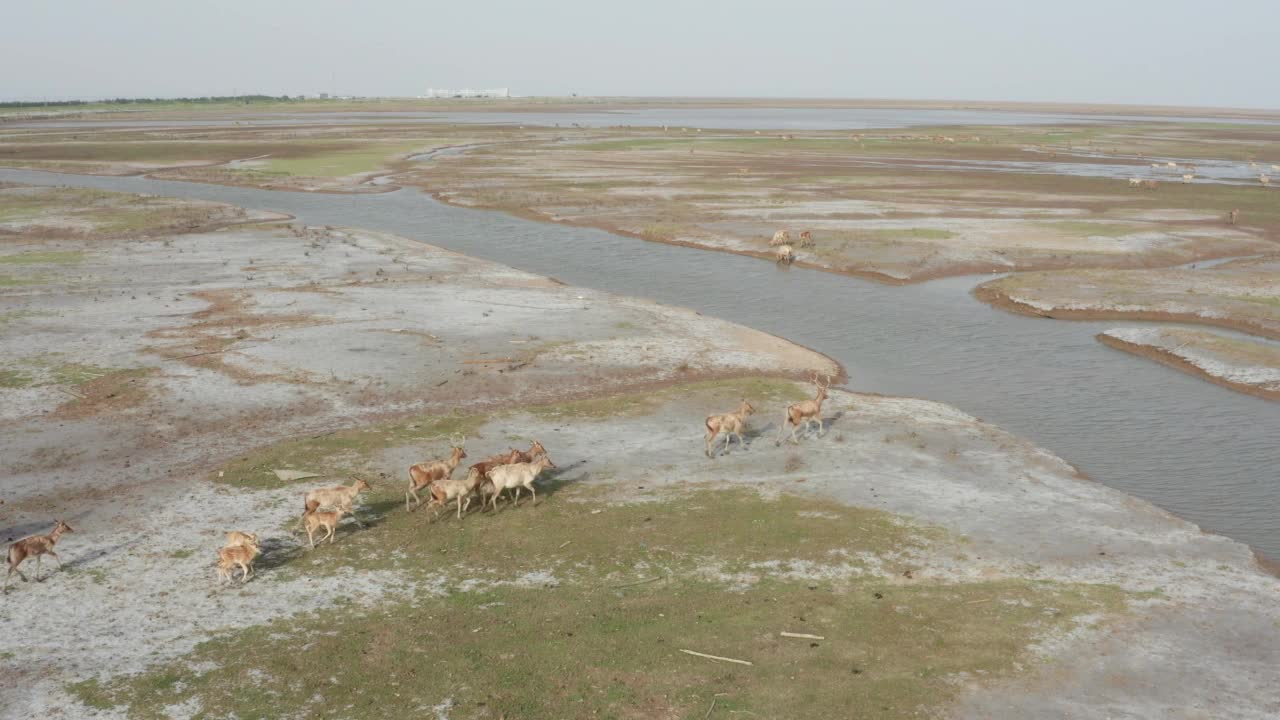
(894, 206)
(154, 380)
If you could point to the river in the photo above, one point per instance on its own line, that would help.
(1203, 452)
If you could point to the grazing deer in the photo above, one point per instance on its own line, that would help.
(518, 475)
(1135, 182)
(235, 537)
(1149, 184)
(731, 424)
(339, 498)
(781, 237)
(36, 546)
(1265, 180)
(1233, 217)
(806, 239)
(1188, 177)
(313, 519)
(805, 412)
(784, 254)
(423, 474)
(236, 556)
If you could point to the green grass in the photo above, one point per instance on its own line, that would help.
(1089, 229)
(337, 164)
(15, 379)
(42, 258)
(916, 233)
(591, 646)
(21, 280)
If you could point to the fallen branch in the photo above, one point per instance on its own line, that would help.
(489, 362)
(804, 636)
(713, 707)
(717, 657)
(637, 582)
(975, 602)
(564, 544)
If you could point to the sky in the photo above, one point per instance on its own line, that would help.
(1175, 52)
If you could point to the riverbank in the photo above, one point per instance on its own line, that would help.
(1241, 365)
(185, 368)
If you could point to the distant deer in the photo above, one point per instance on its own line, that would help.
(1233, 217)
(805, 412)
(784, 254)
(35, 546)
(806, 239)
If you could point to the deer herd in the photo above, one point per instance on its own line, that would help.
(783, 251)
(514, 471)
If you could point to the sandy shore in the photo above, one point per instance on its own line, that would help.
(1241, 365)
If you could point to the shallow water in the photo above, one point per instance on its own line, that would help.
(741, 118)
(1204, 452)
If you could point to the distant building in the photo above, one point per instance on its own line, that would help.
(468, 93)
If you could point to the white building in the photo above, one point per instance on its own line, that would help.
(468, 93)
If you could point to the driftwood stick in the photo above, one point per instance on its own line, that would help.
(975, 602)
(804, 636)
(638, 582)
(489, 362)
(713, 707)
(717, 657)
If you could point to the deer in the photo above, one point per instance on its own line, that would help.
(423, 474)
(1265, 180)
(36, 546)
(442, 491)
(524, 456)
(1135, 182)
(477, 473)
(781, 237)
(1149, 184)
(339, 498)
(806, 239)
(730, 423)
(518, 475)
(313, 519)
(807, 411)
(1233, 217)
(1188, 177)
(784, 255)
(233, 556)
(235, 537)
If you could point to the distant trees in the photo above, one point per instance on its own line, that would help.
(246, 99)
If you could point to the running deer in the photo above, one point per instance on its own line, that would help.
(235, 537)
(236, 556)
(805, 412)
(423, 474)
(341, 497)
(518, 475)
(313, 520)
(36, 546)
(731, 424)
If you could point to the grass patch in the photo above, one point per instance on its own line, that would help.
(15, 379)
(337, 164)
(42, 258)
(350, 451)
(339, 453)
(1091, 229)
(915, 233)
(585, 647)
(19, 281)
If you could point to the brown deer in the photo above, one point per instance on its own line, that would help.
(807, 411)
(236, 556)
(806, 239)
(423, 474)
(731, 424)
(313, 520)
(36, 546)
(1233, 217)
(339, 498)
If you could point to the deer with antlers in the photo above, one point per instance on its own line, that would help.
(807, 411)
(731, 424)
(36, 546)
(423, 474)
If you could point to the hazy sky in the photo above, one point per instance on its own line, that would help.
(1197, 52)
